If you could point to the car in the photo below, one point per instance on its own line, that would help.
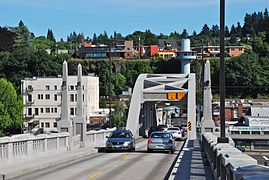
(120, 140)
(161, 141)
(176, 132)
(155, 128)
(164, 126)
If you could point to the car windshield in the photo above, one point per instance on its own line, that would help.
(120, 135)
(177, 129)
(160, 135)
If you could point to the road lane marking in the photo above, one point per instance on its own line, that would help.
(266, 158)
(125, 158)
(94, 174)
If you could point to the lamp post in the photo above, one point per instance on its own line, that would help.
(110, 74)
(222, 138)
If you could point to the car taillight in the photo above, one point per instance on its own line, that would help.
(149, 141)
(170, 141)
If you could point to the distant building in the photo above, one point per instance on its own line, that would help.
(214, 51)
(119, 49)
(42, 100)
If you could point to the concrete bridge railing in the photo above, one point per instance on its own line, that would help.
(26, 145)
(227, 162)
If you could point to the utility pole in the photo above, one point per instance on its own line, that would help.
(139, 48)
(222, 138)
(110, 74)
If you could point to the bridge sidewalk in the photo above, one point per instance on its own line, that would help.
(192, 163)
(19, 167)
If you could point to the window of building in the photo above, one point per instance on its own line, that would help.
(76, 97)
(47, 87)
(245, 132)
(265, 132)
(71, 87)
(234, 132)
(82, 87)
(51, 110)
(72, 111)
(240, 49)
(47, 96)
(30, 87)
(29, 111)
(47, 110)
(41, 110)
(36, 111)
(83, 97)
(255, 132)
(55, 124)
(55, 87)
(42, 124)
(55, 97)
(55, 110)
(47, 124)
(72, 98)
(40, 96)
(29, 97)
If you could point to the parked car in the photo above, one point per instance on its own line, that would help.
(154, 129)
(120, 140)
(161, 141)
(176, 132)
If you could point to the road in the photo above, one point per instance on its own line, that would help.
(116, 165)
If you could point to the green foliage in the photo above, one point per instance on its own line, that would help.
(118, 116)
(10, 107)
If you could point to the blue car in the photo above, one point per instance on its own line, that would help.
(120, 140)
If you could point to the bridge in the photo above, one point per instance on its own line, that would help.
(72, 153)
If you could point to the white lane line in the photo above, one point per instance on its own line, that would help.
(266, 158)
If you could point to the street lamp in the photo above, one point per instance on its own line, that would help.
(222, 138)
(110, 74)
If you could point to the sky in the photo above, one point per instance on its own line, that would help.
(124, 16)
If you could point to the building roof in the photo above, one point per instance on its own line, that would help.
(162, 43)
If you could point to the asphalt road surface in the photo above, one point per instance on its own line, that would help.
(136, 165)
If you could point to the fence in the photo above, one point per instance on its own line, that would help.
(227, 162)
(26, 145)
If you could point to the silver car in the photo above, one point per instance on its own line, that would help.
(161, 141)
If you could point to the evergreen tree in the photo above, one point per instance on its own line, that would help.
(226, 31)
(184, 34)
(238, 30)
(205, 30)
(22, 36)
(50, 35)
(94, 39)
(215, 31)
(248, 26)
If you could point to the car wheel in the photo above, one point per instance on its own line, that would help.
(149, 150)
(108, 151)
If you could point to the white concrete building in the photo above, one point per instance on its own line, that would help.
(42, 100)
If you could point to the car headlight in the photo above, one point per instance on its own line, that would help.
(126, 143)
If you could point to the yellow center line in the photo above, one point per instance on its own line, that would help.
(94, 174)
(125, 158)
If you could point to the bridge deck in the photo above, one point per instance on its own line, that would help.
(192, 163)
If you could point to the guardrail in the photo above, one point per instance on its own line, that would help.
(27, 145)
(97, 138)
(227, 162)
(20, 146)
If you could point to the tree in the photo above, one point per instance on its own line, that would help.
(6, 39)
(50, 35)
(184, 34)
(248, 26)
(94, 39)
(226, 31)
(22, 36)
(118, 116)
(10, 108)
(205, 30)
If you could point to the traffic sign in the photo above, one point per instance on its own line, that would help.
(189, 125)
(171, 96)
(180, 95)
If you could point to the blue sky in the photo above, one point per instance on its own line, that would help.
(125, 16)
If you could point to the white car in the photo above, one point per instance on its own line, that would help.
(176, 132)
